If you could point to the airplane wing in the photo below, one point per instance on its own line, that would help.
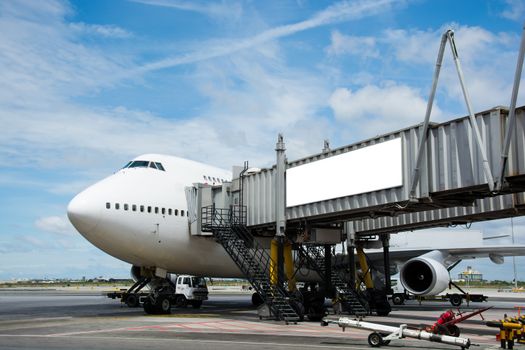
(495, 252)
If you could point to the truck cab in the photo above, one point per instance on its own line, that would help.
(190, 289)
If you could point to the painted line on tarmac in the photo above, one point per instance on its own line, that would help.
(254, 343)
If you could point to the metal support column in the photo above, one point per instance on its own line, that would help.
(424, 129)
(280, 206)
(511, 121)
(386, 262)
(350, 248)
(449, 36)
(328, 268)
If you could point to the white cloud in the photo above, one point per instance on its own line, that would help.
(42, 63)
(108, 31)
(353, 45)
(384, 108)
(487, 59)
(341, 11)
(515, 10)
(223, 9)
(55, 224)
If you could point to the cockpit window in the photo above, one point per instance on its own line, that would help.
(139, 164)
(144, 164)
(127, 165)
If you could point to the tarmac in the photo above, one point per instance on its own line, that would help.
(69, 318)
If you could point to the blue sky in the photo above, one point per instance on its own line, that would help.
(87, 85)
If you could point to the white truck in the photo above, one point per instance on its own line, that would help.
(399, 295)
(178, 291)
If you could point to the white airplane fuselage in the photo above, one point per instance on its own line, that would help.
(139, 215)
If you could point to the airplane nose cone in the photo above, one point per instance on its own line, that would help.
(84, 212)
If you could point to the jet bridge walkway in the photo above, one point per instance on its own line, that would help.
(373, 178)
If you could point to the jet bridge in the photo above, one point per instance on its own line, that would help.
(372, 178)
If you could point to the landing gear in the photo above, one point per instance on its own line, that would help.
(159, 301)
(257, 300)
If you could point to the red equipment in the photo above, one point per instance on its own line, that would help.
(446, 323)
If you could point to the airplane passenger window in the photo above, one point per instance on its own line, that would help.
(141, 208)
(139, 164)
(134, 207)
(108, 205)
(160, 167)
(126, 207)
(152, 165)
(182, 213)
(163, 211)
(176, 212)
(156, 210)
(117, 206)
(149, 209)
(169, 211)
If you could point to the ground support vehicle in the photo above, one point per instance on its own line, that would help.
(511, 330)
(383, 334)
(447, 322)
(180, 291)
(456, 299)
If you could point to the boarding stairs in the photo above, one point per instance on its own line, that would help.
(351, 301)
(228, 227)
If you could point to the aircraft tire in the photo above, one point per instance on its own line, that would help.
(257, 300)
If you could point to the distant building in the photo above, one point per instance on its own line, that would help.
(470, 275)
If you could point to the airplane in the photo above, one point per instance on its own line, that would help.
(139, 215)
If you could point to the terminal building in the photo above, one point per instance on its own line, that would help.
(470, 275)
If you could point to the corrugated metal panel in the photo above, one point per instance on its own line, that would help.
(483, 209)
(259, 197)
(452, 172)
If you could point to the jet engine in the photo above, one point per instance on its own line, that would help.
(425, 274)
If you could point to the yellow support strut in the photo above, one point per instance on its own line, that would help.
(364, 267)
(288, 264)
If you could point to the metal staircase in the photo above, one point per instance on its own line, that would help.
(352, 302)
(229, 229)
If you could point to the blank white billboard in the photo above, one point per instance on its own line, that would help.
(364, 170)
